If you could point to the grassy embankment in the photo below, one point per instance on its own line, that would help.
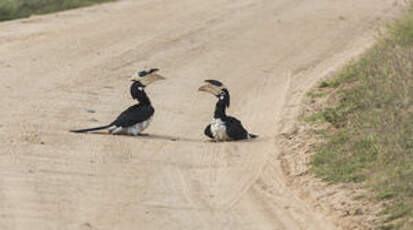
(12, 9)
(369, 113)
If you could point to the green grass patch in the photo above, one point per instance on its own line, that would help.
(315, 95)
(331, 83)
(12, 9)
(314, 117)
(370, 138)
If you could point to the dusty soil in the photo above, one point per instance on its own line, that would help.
(57, 69)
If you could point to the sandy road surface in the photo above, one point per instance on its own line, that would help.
(54, 68)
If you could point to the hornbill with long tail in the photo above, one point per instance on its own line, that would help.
(223, 127)
(136, 118)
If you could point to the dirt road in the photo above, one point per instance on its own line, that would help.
(55, 68)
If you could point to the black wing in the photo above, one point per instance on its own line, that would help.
(207, 132)
(235, 130)
(133, 115)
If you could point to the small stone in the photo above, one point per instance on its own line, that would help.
(91, 111)
(358, 212)
(87, 224)
(346, 213)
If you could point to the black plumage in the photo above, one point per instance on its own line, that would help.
(137, 114)
(208, 132)
(234, 130)
(223, 127)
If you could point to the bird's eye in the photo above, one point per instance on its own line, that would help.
(140, 88)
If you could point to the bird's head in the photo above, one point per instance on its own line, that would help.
(147, 77)
(217, 89)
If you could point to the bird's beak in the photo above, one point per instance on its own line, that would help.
(209, 89)
(203, 88)
(146, 80)
(157, 77)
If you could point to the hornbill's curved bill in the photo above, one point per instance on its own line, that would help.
(223, 127)
(136, 118)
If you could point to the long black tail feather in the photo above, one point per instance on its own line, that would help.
(89, 130)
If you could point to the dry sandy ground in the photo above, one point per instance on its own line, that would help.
(55, 68)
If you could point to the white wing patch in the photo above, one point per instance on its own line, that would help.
(131, 130)
(218, 130)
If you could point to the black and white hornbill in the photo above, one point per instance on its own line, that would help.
(136, 118)
(223, 127)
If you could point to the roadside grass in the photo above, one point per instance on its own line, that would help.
(370, 134)
(13, 9)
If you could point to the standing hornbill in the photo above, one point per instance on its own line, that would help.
(136, 118)
(223, 127)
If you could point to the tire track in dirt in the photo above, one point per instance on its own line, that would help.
(61, 65)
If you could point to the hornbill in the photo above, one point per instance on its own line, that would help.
(223, 127)
(136, 118)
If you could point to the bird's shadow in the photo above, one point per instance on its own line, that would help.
(180, 139)
(259, 139)
(151, 137)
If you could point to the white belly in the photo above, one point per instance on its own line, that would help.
(132, 130)
(218, 130)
